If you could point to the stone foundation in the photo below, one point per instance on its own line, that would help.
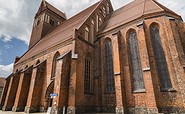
(58, 110)
(119, 110)
(71, 110)
(93, 109)
(31, 109)
(142, 110)
(7, 108)
(174, 110)
(17, 109)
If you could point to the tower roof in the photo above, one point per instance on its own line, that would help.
(137, 9)
(45, 5)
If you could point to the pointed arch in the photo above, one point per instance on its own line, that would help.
(86, 34)
(92, 31)
(160, 58)
(97, 22)
(104, 10)
(109, 71)
(100, 22)
(49, 90)
(108, 8)
(135, 62)
(54, 64)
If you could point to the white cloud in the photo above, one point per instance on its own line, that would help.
(16, 16)
(6, 70)
(16, 19)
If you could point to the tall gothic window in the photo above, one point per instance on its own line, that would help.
(160, 58)
(109, 72)
(135, 63)
(86, 33)
(87, 76)
(54, 65)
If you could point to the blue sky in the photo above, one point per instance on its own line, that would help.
(16, 17)
(10, 49)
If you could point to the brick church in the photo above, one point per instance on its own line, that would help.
(127, 61)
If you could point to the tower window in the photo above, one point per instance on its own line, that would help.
(38, 21)
(160, 58)
(109, 72)
(51, 21)
(135, 63)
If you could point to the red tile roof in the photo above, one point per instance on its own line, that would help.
(61, 33)
(45, 5)
(134, 10)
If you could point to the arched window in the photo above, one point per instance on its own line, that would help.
(86, 33)
(160, 58)
(100, 21)
(97, 23)
(135, 63)
(54, 65)
(87, 75)
(104, 11)
(108, 9)
(109, 72)
(92, 31)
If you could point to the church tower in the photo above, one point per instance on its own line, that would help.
(46, 19)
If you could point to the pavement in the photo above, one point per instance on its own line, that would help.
(10, 112)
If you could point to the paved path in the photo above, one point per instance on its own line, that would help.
(10, 112)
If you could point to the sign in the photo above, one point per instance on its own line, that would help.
(53, 94)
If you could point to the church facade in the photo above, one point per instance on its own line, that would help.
(128, 61)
